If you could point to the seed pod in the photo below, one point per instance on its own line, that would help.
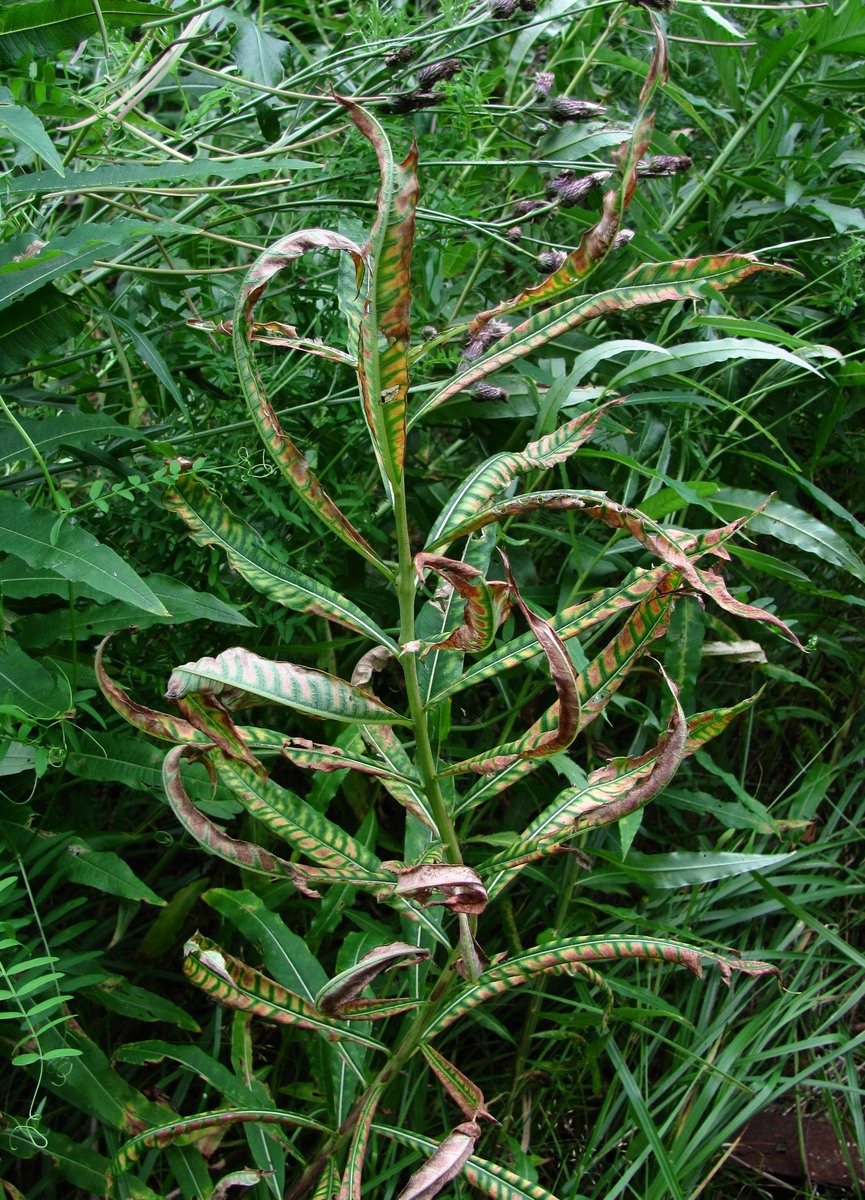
(526, 208)
(486, 391)
(657, 5)
(563, 109)
(664, 164)
(408, 102)
(543, 84)
(554, 186)
(621, 239)
(575, 191)
(502, 10)
(429, 332)
(437, 71)
(528, 6)
(550, 260)
(485, 338)
(515, 233)
(400, 56)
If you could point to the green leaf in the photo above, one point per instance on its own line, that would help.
(24, 126)
(240, 677)
(55, 432)
(691, 869)
(117, 176)
(119, 995)
(691, 356)
(685, 279)
(106, 872)
(27, 685)
(258, 54)
(840, 30)
(32, 330)
(43, 27)
(74, 554)
(212, 523)
(790, 525)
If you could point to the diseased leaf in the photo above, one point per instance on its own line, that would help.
(488, 606)
(460, 887)
(241, 678)
(562, 956)
(212, 523)
(350, 1188)
(444, 1164)
(232, 983)
(347, 986)
(461, 1090)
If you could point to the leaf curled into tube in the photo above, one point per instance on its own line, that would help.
(444, 1164)
(340, 991)
(461, 889)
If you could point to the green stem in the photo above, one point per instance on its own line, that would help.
(732, 146)
(406, 583)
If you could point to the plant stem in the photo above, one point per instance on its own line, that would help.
(405, 580)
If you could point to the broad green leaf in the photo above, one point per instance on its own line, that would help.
(26, 684)
(212, 523)
(52, 433)
(149, 354)
(561, 957)
(32, 331)
(23, 126)
(494, 475)
(74, 251)
(241, 677)
(790, 525)
(232, 983)
(258, 54)
(683, 868)
(493, 1180)
(106, 872)
(117, 176)
(74, 553)
(291, 463)
(286, 956)
(217, 1076)
(839, 30)
(685, 279)
(44, 27)
(690, 356)
(77, 1163)
(119, 995)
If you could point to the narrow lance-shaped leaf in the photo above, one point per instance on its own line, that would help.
(150, 720)
(564, 676)
(278, 333)
(241, 678)
(187, 1130)
(232, 983)
(212, 523)
(291, 462)
(444, 1164)
(657, 283)
(467, 1095)
(488, 606)
(558, 956)
(596, 684)
(617, 789)
(496, 473)
(493, 1180)
(350, 1186)
(340, 991)
(313, 756)
(246, 855)
(383, 373)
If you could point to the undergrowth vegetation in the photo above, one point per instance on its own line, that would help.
(431, 444)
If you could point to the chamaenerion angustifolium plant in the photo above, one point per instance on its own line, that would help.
(362, 1043)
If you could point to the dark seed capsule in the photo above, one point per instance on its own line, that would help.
(400, 56)
(502, 10)
(528, 6)
(437, 71)
(484, 338)
(554, 186)
(563, 109)
(571, 194)
(515, 233)
(664, 164)
(550, 260)
(486, 391)
(429, 332)
(657, 5)
(409, 102)
(526, 208)
(621, 239)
